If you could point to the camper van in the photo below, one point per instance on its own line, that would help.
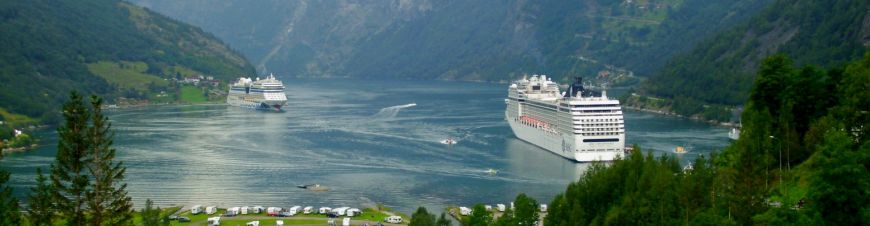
(500, 207)
(487, 207)
(393, 219)
(210, 210)
(214, 221)
(307, 209)
(273, 211)
(294, 210)
(341, 211)
(464, 211)
(244, 210)
(324, 210)
(257, 209)
(197, 209)
(345, 222)
(353, 212)
(233, 211)
(253, 223)
(544, 208)
(279, 222)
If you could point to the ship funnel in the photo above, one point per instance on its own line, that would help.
(576, 89)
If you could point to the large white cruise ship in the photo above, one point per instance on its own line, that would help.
(578, 124)
(260, 94)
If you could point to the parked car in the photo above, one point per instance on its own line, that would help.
(183, 219)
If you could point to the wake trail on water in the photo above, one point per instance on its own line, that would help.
(391, 112)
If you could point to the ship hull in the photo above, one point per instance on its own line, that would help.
(264, 105)
(560, 145)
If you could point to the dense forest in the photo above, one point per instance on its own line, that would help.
(461, 40)
(802, 158)
(721, 69)
(52, 47)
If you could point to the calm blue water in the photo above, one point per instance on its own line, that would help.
(344, 134)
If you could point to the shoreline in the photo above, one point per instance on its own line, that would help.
(19, 149)
(673, 114)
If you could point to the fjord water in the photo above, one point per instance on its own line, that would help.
(362, 139)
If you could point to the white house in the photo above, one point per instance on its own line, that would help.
(464, 211)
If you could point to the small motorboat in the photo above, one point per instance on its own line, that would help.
(449, 141)
(492, 171)
(680, 150)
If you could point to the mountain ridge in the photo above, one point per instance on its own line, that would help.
(52, 46)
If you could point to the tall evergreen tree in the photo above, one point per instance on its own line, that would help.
(69, 174)
(9, 211)
(526, 212)
(443, 221)
(479, 216)
(41, 211)
(108, 201)
(150, 215)
(422, 218)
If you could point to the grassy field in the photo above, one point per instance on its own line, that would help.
(15, 119)
(126, 74)
(192, 94)
(370, 215)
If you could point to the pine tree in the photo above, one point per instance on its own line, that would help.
(526, 212)
(150, 216)
(422, 218)
(69, 175)
(42, 211)
(108, 201)
(9, 214)
(443, 221)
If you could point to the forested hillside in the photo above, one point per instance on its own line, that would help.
(465, 40)
(803, 158)
(106, 47)
(721, 69)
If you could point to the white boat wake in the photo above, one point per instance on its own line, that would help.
(390, 112)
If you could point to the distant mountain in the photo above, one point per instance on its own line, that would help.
(107, 47)
(459, 39)
(721, 69)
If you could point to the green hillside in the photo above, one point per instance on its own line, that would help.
(721, 69)
(803, 158)
(106, 47)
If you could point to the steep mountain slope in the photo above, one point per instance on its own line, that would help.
(722, 68)
(469, 40)
(52, 47)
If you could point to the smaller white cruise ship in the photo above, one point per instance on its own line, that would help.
(260, 94)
